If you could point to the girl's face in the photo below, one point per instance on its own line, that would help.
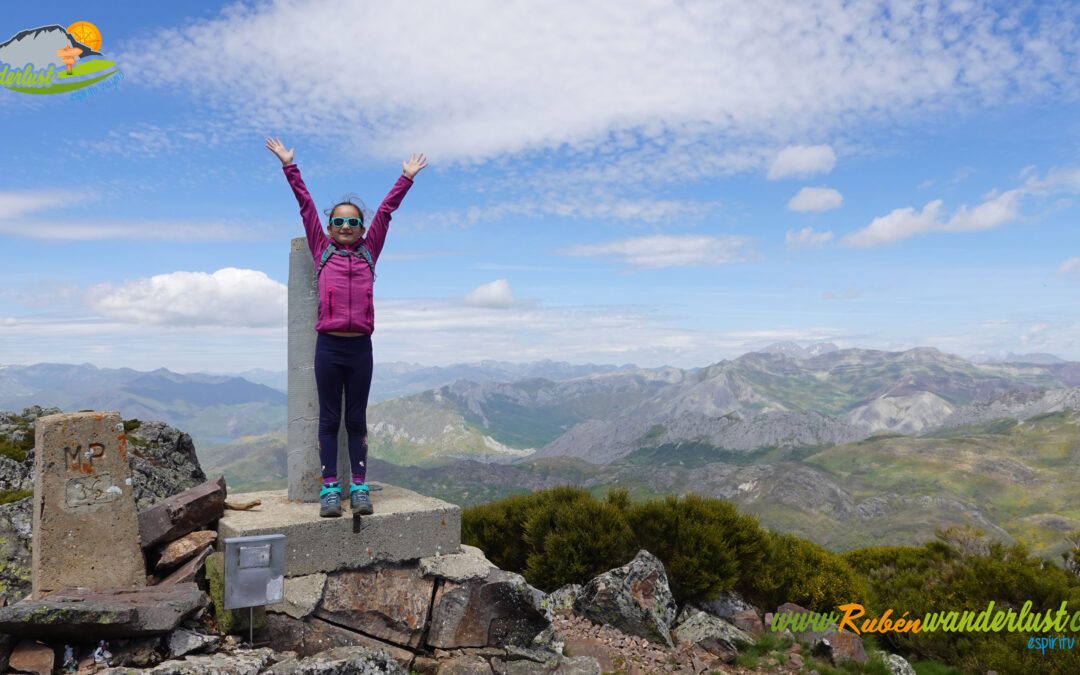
(346, 236)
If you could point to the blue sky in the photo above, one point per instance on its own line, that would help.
(660, 183)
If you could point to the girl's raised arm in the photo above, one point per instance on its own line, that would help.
(278, 148)
(376, 235)
(316, 238)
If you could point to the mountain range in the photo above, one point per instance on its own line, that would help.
(848, 447)
(758, 400)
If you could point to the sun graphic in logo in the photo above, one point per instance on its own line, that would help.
(86, 33)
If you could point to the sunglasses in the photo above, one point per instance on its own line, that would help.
(350, 222)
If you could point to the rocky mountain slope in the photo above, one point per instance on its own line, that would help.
(759, 400)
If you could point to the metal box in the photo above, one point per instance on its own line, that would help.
(254, 570)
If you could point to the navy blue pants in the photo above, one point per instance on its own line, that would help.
(343, 364)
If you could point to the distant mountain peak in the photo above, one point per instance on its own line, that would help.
(794, 351)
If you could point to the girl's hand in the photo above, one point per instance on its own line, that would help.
(278, 148)
(413, 166)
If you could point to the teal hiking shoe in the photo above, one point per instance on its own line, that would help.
(330, 500)
(360, 500)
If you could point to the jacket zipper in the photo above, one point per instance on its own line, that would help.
(330, 302)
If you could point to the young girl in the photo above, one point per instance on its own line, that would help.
(345, 267)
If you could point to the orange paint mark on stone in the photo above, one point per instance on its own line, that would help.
(122, 438)
(444, 521)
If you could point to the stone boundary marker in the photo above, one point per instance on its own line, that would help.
(302, 456)
(85, 529)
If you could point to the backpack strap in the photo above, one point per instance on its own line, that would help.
(362, 252)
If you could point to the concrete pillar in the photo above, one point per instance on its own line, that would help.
(305, 471)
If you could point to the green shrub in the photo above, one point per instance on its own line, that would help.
(937, 577)
(799, 571)
(705, 545)
(17, 450)
(131, 425)
(498, 528)
(8, 496)
(572, 542)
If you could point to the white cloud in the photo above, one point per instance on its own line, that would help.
(802, 161)
(807, 237)
(815, 199)
(897, 225)
(570, 75)
(148, 230)
(584, 203)
(228, 297)
(17, 219)
(998, 209)
(1070, 268)
(664, 250)
(494, 295)
(14, 204)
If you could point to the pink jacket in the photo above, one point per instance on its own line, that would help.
(345, 283)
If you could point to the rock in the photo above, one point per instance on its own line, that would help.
(320, 636)
(31, 412)
(182, 513)
(423, 665)
(341, 661)
(85, 527)
(189, 570)
(840, 647)
(7, 645)
(634, 598)
(71, 614)
(727, 605)
(391, 603)
(182, 642)
(465, 665)
(549, 640)
(898, 665)
(589, 646)
(459, 567)
(284, 632)
(13, 475)
(163, 463)
(560, 599)
(302, 595)
(137, 652)
(239, 662)
(184, 549)
(498, 610)
(534, 654)
(714, 635)
(748, 621)
(16, 531)
(796, 661)
(578, 665)
(32, 657)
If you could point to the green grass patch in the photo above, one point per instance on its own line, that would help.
(8, 496)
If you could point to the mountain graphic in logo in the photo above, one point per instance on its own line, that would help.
(52, 60)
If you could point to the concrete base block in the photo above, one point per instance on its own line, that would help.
(405, 526)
